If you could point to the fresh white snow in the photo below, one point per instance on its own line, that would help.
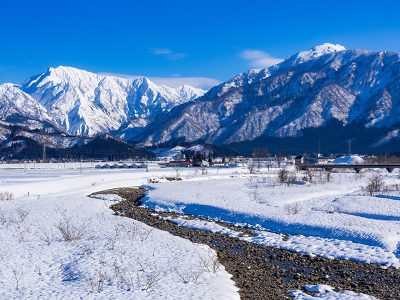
(309, 245)
(349, 160)
(323, 291)
(331, 219)
(86, 103)
(116, 258)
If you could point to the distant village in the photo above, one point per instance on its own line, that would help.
(203, 157)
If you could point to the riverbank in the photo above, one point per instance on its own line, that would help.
(266, 272)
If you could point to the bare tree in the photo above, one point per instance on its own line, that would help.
(204, 170)
(328, 176)
(178, 171)
(291, 178)
(258, 155)
(309, 175)
(375, 185)
(283, 176)
(279, 159)
(251, 166)
(18, 273)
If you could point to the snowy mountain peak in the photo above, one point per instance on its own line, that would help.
(315, 52)
(189, 92)
(87, 103)
(7, 86)
(329, 48)
(63, 72)
(326, 85)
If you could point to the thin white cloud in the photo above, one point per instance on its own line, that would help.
(258, 58)
(161, 51)
(175, 81)
(198, 82)
(168, 53)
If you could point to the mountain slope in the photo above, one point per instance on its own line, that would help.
(307, 90)
(15, 104)
(86, 103)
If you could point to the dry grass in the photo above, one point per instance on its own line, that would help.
(69, 230)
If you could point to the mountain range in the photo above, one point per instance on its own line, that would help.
(325, 95)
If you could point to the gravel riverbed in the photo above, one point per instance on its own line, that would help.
(265, 272)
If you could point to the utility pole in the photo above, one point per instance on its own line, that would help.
(44, 152)
(349, 149)
(319, 147)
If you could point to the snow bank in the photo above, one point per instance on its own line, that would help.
(323, 291)
(349, 160)
(313, 246)
(116, 258)
(331, 219)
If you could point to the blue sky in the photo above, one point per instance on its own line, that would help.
(198, 42)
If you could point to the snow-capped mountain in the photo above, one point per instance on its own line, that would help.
(326, 92)
(308, 90)
(86, 103)
(15, 104)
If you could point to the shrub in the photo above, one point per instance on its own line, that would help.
(293, 208)
(22, 214)
(70, 231)
(328, 176)
(189, 276)
(375, 185)
(283, 176)
(291, 178)
(309, 175)
(210, 264)
(6, 196)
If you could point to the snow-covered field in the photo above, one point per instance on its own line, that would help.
(118, 258)
(330, 219)
(112, 257)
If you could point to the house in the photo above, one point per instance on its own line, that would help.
(305, 160)
(200, 163)
(313, 159)
(179, 163)
(325, 159)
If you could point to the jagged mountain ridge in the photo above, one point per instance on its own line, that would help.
(14, 103)
(305, 91)
(85, 103)
(61, 106)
